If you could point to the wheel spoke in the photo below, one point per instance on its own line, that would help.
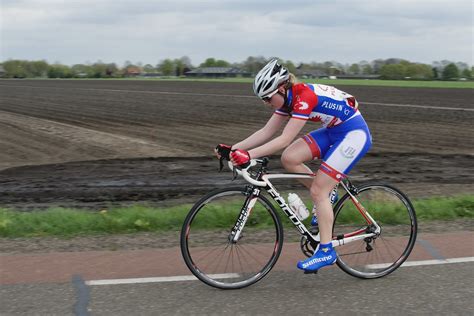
(207, 251)
(394, 214)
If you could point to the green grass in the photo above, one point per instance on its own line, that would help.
(68, 222)
(336, 82)
(436, 208)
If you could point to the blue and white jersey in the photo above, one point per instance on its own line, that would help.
(319, 103)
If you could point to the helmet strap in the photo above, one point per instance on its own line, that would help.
(284, 96)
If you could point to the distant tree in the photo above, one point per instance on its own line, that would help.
(393, 71)
(394, 61)
(37, 68)
(186, 61)
(148, 68)
(167, 67)
(179, 67)
(289, 64)
(81, 71)
(112, 70)
(467, 73)
(182, 65)
(377, 65)
(99, 70)
(59, 71)
(354, 69)
(328, 67)
(367, 69)
(419, 71)
(462, 66)
(450, 72)
(440, 65)
(16, 68)
(211, 62)
(254, 64)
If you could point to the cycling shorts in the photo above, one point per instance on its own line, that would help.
(340, 147)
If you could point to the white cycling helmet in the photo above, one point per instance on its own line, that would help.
(269, 78)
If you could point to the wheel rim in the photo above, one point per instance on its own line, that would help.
(220, 263)
(379, 256)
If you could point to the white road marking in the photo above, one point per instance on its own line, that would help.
(423, 262)
(159, 279)
(242, 96)
(235, 275)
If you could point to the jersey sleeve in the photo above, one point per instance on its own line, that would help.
(283, 111)
(304, 104)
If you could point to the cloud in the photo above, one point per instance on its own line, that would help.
(76, 31)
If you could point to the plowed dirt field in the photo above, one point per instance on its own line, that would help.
(95, 143)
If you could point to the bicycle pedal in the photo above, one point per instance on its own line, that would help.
(310, 272)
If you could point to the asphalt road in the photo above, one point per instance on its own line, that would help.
(437, 289)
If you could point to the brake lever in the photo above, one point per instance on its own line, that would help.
(234, 172)
(221, 164)
(221, 167)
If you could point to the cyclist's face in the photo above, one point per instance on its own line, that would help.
(276, 101)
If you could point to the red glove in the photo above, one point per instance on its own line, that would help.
(223, 150)
(240, 157)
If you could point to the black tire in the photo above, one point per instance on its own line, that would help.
(380, 256)
(206, 230)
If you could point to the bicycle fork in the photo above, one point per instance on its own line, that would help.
(236, 231)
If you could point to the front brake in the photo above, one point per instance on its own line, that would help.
(221, 163)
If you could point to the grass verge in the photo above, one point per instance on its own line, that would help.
(63, 222)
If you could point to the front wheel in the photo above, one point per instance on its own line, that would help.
(376, 256)
(213, 254)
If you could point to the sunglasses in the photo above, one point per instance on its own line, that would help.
(268, 97)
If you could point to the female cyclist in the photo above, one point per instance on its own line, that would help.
(340, 143)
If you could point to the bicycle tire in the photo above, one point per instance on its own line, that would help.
(387, 205)
(195, 241)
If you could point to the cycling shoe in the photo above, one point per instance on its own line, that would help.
(324, 256)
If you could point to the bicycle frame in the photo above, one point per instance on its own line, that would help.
(265, 183)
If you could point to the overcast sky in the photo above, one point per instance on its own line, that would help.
(79, 31)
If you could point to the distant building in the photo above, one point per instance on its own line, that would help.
(151, 74)
(310, 74)
(318, 74)
(217, 72)
(358, 76)
(132, 71)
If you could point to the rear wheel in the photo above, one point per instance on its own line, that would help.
(376, 256)
(206, 239)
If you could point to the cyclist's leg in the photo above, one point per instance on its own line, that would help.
(325, 254)
(305, 149)
(348, 148)
(293, 158)
(320, 190)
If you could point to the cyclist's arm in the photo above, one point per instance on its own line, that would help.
(263, 134)
(289, 133)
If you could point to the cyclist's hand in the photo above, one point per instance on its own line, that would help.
(240, 157)
(223, 151)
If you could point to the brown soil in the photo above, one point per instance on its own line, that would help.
(92, 144)
(95, 143)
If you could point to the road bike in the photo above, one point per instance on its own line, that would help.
(232, 237)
